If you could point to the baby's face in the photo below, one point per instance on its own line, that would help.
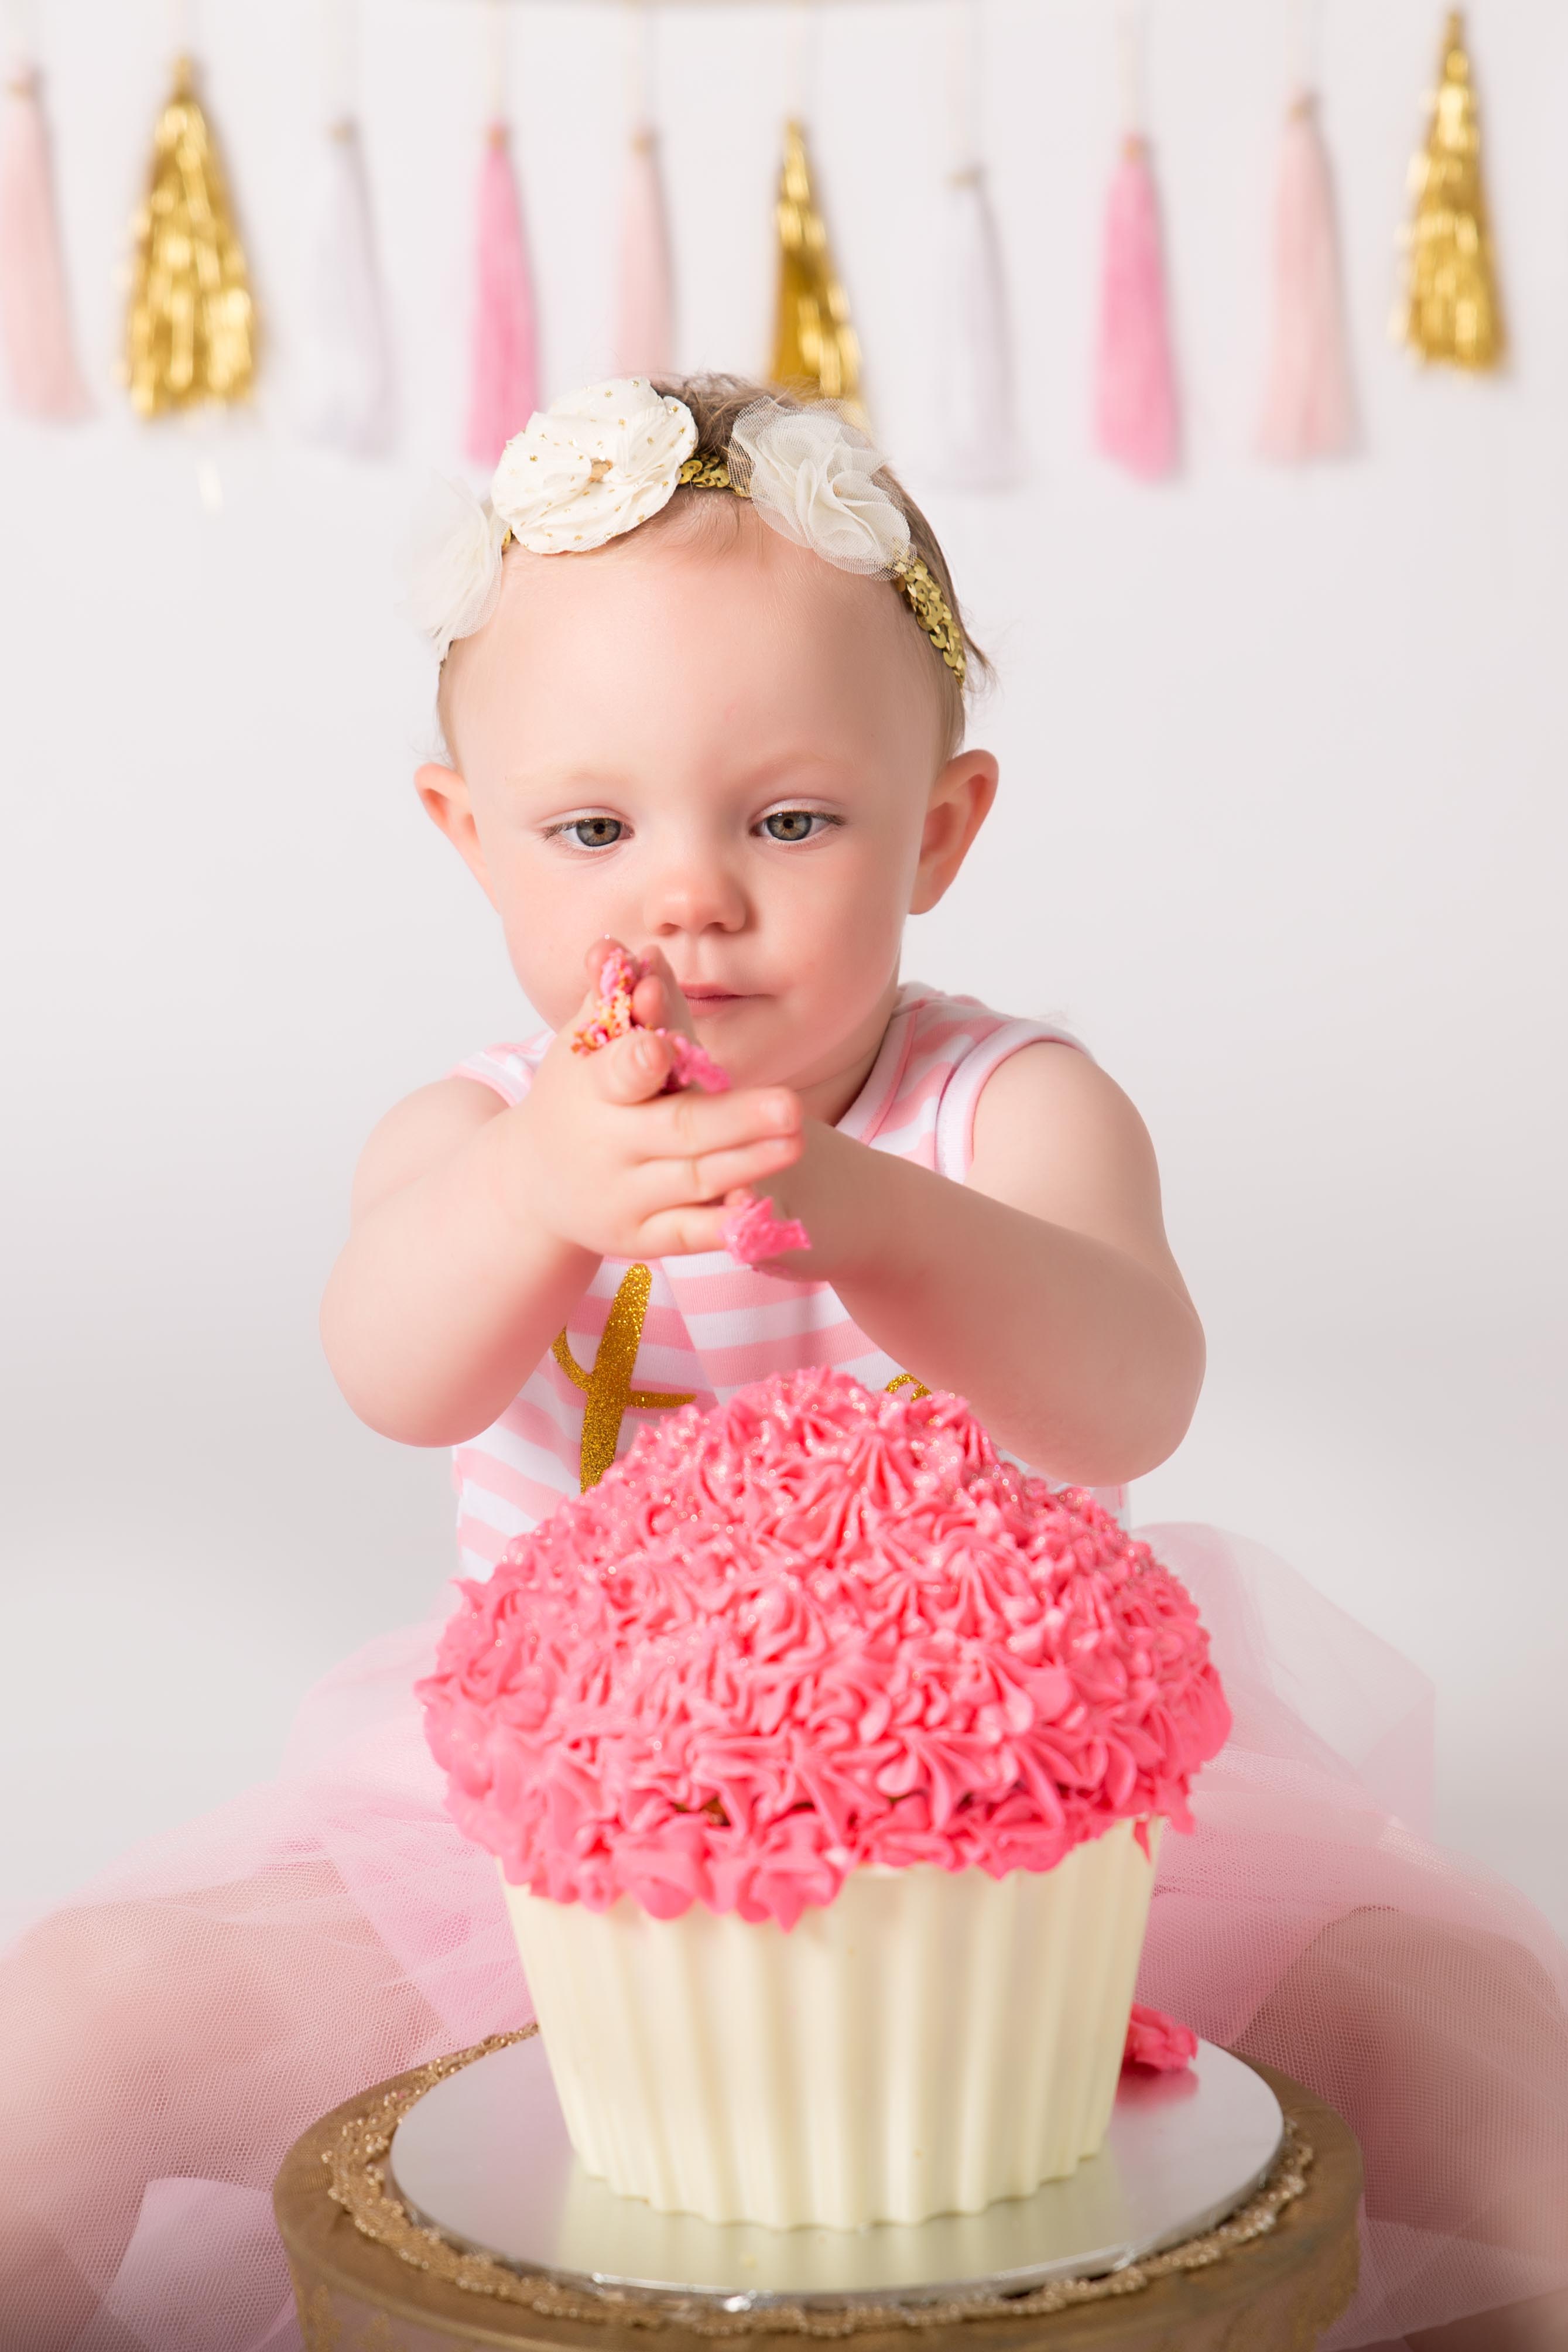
(706, 739)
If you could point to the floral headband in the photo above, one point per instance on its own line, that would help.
(599, 462)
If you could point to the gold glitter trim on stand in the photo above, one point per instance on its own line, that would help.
(910, 575)
(357, 2181)
(608, 1387)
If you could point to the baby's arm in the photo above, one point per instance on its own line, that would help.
(476, 1226)
(1043, 1290)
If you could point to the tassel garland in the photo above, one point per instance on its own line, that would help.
(190, 332)
(354, 407)
(504, 381)
(1136, 418)
(1309, 406)
(814, 345)
(979, 423)
(1450, 310)
(645, 310)
(35, 310)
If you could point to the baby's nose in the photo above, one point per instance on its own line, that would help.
(694, 893)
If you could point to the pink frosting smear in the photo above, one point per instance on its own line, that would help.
(752, 1232)
(814, 1629)
(1157, 2042)
(612, 1016)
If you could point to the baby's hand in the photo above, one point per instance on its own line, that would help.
(600, 1157)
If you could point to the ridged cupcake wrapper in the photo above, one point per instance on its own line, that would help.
(925, 2043)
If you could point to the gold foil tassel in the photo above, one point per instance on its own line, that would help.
(1450, 309)
(814, 346)
(191, 330)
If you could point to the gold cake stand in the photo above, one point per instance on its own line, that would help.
(367, 2279)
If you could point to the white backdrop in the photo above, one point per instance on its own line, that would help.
(1285, 764)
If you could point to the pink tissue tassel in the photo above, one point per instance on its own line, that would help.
(35, 315)
(1309, 408)
(644, 305)
(1135, 398)
(503, 391)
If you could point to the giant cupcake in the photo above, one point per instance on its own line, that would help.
(825, 1757)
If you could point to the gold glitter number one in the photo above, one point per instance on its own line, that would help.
(608, 1387)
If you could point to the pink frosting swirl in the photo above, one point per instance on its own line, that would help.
(611, 1016)
(1157, 2042)
(814, 1629)
(754, 1232)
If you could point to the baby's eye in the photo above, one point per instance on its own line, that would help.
(594, 832)
(793, 824)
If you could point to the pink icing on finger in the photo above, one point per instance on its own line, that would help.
(752, 1232)
(691, 1065)
(1156, 2040)
(612, 1016)
(815, 1628)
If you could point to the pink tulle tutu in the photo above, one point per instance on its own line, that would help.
(167, 2033)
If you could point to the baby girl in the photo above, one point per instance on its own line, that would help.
(728, 732)
(703, 694)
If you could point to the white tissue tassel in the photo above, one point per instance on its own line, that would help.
(353, 405)
(979, 426)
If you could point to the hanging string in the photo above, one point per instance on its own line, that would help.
(495, 76)
(503, 389)
(340, 59)
(1309, 404)
(1136, 411)
(1301, 21)
(801, 52)
(975, 361)
(644, 294)
(41, 367)
(1131, 34)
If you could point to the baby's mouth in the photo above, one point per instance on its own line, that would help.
(703, 998)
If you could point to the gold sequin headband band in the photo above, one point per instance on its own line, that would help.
(910, 574)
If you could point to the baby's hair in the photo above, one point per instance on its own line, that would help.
(717, 404)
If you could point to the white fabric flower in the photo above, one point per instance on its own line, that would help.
(452, 564)
(812, 477)
(592, 466)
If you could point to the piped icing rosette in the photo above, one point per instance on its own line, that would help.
(815, 1628)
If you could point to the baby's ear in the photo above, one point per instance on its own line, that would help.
(448, 805)
(960, 801)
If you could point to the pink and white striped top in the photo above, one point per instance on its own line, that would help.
(644, 1338)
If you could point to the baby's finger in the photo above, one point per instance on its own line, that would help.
(656, 1000)
(594, 960)
(682, 1232)
(709, 1175)
(685, 1125)
(630, 1069)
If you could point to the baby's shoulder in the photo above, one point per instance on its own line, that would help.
(1054, 1134)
